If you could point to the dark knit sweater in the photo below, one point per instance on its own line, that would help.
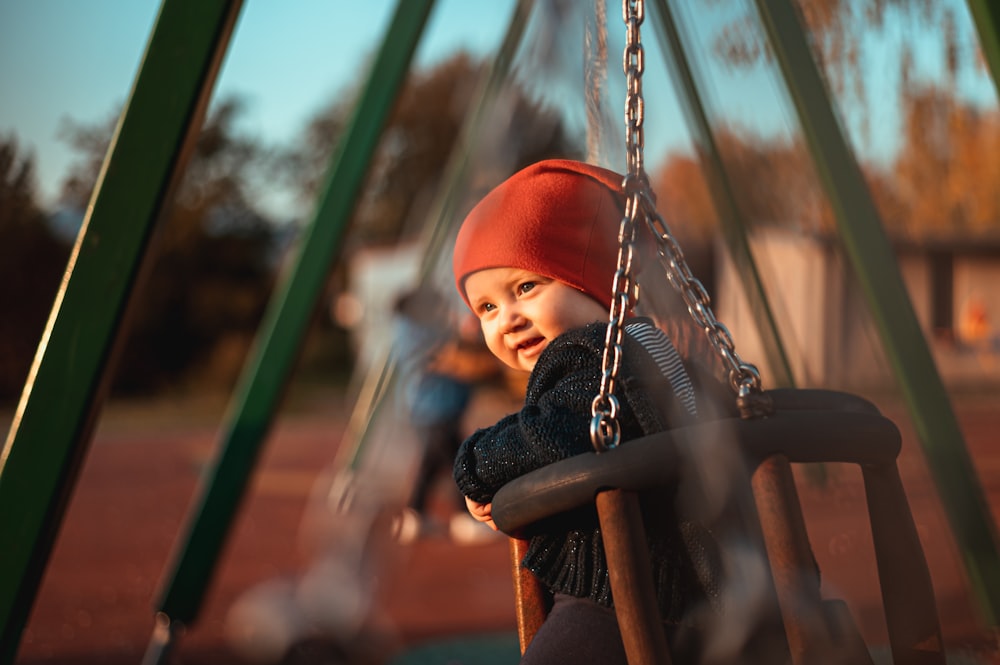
(568, 555)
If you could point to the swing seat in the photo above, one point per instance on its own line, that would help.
(808, 426)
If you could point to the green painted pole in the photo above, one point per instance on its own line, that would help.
(986, 15)
(285, 323)
(874, 262)
(54, 421)
(734, 226)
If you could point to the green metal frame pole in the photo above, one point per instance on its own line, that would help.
(874, 262)
(734, 227)
(986, 15)
(286, 322)
(50, 434)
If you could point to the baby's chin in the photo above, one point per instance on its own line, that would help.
(521, 366)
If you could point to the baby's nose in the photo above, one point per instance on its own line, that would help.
(512, 319)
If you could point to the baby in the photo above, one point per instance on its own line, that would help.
(535, 261)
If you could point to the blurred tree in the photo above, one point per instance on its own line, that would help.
(684, 197)
(937, 184)
(839, 30)
(213, 265)
(215, 252)
(946, 171)
(32, 260)
(771, 181)
(685, 202)
(416, 146)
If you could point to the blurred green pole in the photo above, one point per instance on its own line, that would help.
(986, 15)
(874, 262)
(51, 431)
(290, 311)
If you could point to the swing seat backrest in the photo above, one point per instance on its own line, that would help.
(809, 426)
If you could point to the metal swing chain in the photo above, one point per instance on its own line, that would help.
(744, 378)
(605, 430)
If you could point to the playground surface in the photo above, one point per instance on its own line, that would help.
(96, 602)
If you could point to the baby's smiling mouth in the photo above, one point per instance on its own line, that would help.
(529, 344)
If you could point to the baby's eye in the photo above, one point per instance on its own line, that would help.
(524, 287)
(487, 307)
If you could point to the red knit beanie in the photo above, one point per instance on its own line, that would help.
(558, 218)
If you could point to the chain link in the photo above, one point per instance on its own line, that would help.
(744, 379)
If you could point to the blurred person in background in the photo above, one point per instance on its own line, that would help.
(441, 361)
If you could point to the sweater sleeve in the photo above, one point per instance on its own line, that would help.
(554, 424)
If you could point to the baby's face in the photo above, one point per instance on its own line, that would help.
(521, 312)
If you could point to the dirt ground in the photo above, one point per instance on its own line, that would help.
(96, 603)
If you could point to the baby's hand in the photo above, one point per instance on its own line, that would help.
(481, 512)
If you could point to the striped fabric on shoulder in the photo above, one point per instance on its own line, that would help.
(668, 360)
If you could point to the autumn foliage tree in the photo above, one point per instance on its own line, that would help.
(771, 183)
(838, 32)
(947, 170)
(937, 187)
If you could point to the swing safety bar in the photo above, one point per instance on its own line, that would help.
(808, 426)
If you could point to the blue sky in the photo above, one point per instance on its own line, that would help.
(78, 58)
(72, 59)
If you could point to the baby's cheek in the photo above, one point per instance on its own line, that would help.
(496, 348)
